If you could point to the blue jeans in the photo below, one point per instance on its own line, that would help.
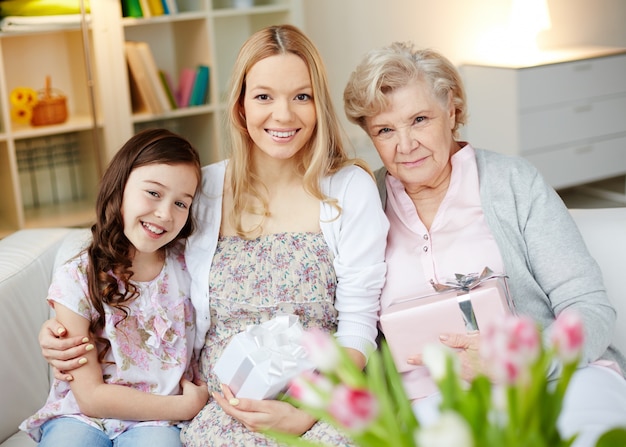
(70, 432)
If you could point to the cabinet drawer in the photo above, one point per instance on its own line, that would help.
(582, 163)
(571, 81)
(578, 121)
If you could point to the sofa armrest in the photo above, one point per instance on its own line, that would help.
(27, 258)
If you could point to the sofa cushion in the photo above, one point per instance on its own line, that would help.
(25, 272)
(604, 231)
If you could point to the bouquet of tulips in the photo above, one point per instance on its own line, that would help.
(514, 404)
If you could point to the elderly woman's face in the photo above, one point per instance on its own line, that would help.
(413, 137)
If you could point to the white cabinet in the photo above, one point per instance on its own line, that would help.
(49, 174)
(565, 111)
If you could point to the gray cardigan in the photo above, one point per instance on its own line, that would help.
(546, 260)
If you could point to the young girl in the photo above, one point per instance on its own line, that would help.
(130, 289)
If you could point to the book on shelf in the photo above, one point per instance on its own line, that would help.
(156, 7)
(170, 6)
(145, 77)
(148, 8)
(168, 86)
(152, 71)
(140, 87)
(200, 89)
(185, 86)
(131, 8)
(145, 8)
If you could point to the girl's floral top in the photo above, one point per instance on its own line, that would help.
(150, 350)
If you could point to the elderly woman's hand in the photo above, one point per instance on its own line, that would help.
(467, 347)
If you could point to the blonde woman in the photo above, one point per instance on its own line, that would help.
(290, 224)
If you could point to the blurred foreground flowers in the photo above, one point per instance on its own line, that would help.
(513, 404)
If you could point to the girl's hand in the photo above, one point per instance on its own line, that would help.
(258, 415)
(195, 397)
(63, 354)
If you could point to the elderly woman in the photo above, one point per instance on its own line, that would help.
(453, 208)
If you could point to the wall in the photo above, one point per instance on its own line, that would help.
(344, 30)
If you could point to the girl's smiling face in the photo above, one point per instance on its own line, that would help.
(155, 205)
(279, 106)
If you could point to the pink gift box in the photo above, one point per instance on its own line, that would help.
(413, 323)
(259, 362)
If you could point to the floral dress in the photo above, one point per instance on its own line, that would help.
(150, 350)
(250, 282)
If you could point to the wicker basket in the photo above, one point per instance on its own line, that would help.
(51, 108)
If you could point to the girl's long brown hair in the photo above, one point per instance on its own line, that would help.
(109, 268)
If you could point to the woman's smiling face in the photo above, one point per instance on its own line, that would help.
(279, 105)
(413, 136)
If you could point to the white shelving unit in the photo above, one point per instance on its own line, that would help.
(208, 32)
(62, 190)
(48, 174)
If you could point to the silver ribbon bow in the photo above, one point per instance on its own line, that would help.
(463, 284)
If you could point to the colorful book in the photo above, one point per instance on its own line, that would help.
(145, 8)
(140, 81)
(156, 7)
(200, 88)
(131, 8)
(172, 6)
(167, 85)
(185, 86)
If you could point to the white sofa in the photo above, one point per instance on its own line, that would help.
(28, 257)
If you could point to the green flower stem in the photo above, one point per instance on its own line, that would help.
(380, 378)
(397, 393)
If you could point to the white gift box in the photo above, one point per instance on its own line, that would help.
(259, 362)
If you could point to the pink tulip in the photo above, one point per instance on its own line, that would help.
(354, 409)
(321, 348)
(509, 346)
(567, 336)
(311, 389)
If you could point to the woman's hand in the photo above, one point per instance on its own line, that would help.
(258, 415)
(467, 348)
(63, 354)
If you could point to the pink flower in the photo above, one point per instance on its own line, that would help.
(567, 336)
(311, 388)
(354, 409)
(509, 346)
(321, 349)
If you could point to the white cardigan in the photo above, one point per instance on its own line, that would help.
(357, 239)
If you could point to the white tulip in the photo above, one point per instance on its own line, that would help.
(435, 358)
(449, 430)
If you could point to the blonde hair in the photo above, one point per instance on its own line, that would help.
(395, 66)
(324, 154)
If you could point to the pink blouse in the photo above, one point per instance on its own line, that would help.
(459, 241)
